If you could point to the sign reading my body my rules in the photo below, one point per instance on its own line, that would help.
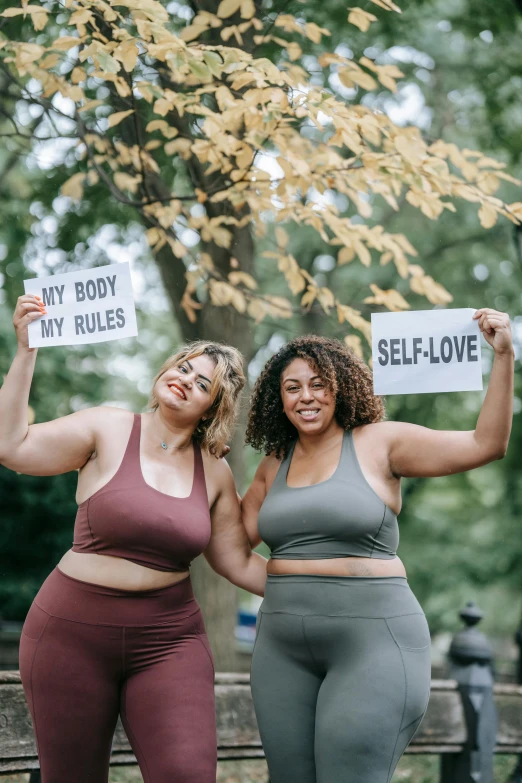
(89, 306)
(426, 351)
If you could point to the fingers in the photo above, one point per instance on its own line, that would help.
(489, 320)
(29, 304)
(28, 309)
(484, 310)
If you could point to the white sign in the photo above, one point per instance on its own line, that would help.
(90, 306)
(426, 351)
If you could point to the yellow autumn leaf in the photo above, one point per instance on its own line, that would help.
(361, 19)
(90, 105)
(488, 182)
(390, 298)
(238, 301)
(314, 32)
(388, 5)
(192, 32)
(413, 149)
(363, 79)
(326, 299)
(293, 275)
(238, 278)
(248, 9)
(30, 415)
(387, 75)
(153, 236)
(38, 15)
(118, 117)
(487, 215)
(126, 182)
(406, 245)
(81, 16)
(190, 306)
(28, 53)
(309, 296)
(294, 50)
(228, 8)
(163, 127)
(78, 75)
(363, 252)
(281, 236)
(354, 343)
(279, 307)
(65, 42)
(516, 209)
(127, 54)
(73, 187)
(257, 309)
(50, 61)
(355, 319)
(346, 254)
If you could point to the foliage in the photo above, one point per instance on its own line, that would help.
(178, 124)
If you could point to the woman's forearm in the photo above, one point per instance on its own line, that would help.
(251, 575)
(494, 422)
(14, 400)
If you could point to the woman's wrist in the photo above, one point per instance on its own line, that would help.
(508, 352)
(24, 352)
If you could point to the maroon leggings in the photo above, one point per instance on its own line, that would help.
(90, 653)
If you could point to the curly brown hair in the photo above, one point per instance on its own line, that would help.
(345, 375)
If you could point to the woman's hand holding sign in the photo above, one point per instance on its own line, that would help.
(28, 309)
(496, 328)
(419, 451)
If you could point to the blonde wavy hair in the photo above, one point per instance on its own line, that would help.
(213, 432)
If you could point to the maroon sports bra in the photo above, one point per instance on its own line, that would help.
(130, 519)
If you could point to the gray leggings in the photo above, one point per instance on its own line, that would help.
(340, 676)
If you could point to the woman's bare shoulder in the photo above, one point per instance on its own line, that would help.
(110, 416)
(377, 431)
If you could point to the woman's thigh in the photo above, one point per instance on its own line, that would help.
(167, 702)
(70, 672)
(373, 697)
(285, 683)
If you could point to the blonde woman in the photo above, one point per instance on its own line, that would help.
(115, 629)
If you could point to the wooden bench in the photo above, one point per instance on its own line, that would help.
(443, 730)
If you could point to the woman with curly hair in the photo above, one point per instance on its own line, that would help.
(341, 665)
(115, 628)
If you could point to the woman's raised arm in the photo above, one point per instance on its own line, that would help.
(418, 451)
(40, 449)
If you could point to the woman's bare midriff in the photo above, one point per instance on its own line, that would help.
(339, 566)
(116, 572)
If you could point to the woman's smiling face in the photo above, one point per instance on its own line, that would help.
(185, 388)
(307, 401)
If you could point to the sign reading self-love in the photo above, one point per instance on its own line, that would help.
(90, 306)
(426, 351)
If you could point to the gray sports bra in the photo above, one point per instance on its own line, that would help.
(339, 517)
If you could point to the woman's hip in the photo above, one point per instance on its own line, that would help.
(339, 596)
(64, 597)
